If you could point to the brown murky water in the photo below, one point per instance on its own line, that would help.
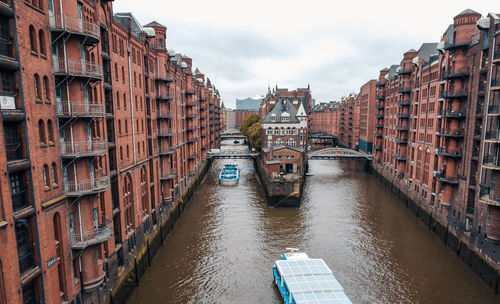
(224, 245)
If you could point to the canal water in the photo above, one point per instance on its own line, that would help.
(223, 247)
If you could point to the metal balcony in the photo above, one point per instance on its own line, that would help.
(402, 128)
(379, 107)
(448, 152)
(78, 68)
(453, 114)
(379, 116)
(455, 94)
(378, 147)
(165, 77)
(402, 141)
(492, 136)
(458, 133)
(89, 110)
(400, 157)
(191, 103)
(166, 132)
(86, 187)
(167, 150)
(168, 175)
(379, 84)
(456, 74)
(495, 85)
(8, 59)
(379, 97)
(95, 236)
(164, 96)
(379, 126)
(379, 135)
(496, 58)
(165, 114)
(62, 23)
(189, 91)
(83, 149)
(6, 9)
(404, 90)
(491, 162)
(405, 71)
(403, 115)
(494, 110)
(490, 199)
(404, 103)
(453, 180)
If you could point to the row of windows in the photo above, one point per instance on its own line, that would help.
(139, 127)
(42, 90)
(43, 134)
(50, 179)
(37, 41)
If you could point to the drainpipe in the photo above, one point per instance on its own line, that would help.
(486, 110)
(131, 99)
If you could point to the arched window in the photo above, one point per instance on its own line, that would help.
(128, 153)
(116, 71)
(37, 87)
(41, 38)
(50, 132)
(119, 127)
(46, 176)
(128, 194)
(41, 132)
(144, 191)
(124, 101)
(126, 126)
(121, 153)
(33, 39)
(123, 74)
(53, 172)
(46, 88)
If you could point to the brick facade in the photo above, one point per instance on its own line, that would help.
(104, 131)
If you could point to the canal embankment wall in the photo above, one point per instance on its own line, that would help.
(125, 268)
(486, 269)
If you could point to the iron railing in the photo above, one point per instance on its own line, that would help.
(78, 67)
(66, 108)
(95, 236)
(74, 25)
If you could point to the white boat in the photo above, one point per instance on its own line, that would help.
(230, 175)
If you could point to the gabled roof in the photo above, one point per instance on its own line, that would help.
(279, 109)
(468, 12)
(154, 23)
(135, 26)
(281, 147)
(427, 50)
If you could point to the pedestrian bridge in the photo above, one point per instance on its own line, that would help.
(338, 153)
(232, 153)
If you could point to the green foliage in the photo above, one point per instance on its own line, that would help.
(250, 120)
(251, 129)
(254, 135)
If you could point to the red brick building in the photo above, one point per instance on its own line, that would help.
(324, 118)
(104, 131)
(241, 115)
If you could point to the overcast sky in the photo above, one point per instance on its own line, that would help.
(243, 46)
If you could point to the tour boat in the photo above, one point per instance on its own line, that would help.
(302, 280)
(230, 175)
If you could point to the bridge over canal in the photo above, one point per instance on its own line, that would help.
(338, 153)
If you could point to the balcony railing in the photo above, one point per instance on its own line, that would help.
(455, 94)
(401, 140)
(455, 74)
(162, 76)
(496, 57)
(400, 157)
(492, 136)
(26, 256)
(92, 237)
(450, 113)
(379, 107)
(70, 109)
(164, 96)
(448, 152)
(14, 151)
(404, 90)
(492, 162)
(20, 200)
(451, 133)
(166, 132)
(167, 150)
(403, 115)
(402, 128)
(379, 126)
(488, 196)
(443, 178)
(6, 47)
(165, 114)
(379, 97)
(494, 109)
(406, 71)
(191, 103)
(378, 147)
(74, 25)
(78, 68)
(85, 187)
(168, 175)
(379, 84)
(189, 91)
(495, 85)
(84, 148)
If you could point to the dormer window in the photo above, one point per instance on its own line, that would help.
(273, 117)
(285, 118)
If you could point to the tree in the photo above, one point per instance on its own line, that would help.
(254, 135)
(250, 120)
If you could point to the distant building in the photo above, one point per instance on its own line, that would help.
(241, 115)
(248, 104)
(230, 119)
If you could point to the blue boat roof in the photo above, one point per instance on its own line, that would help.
(311, 281)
